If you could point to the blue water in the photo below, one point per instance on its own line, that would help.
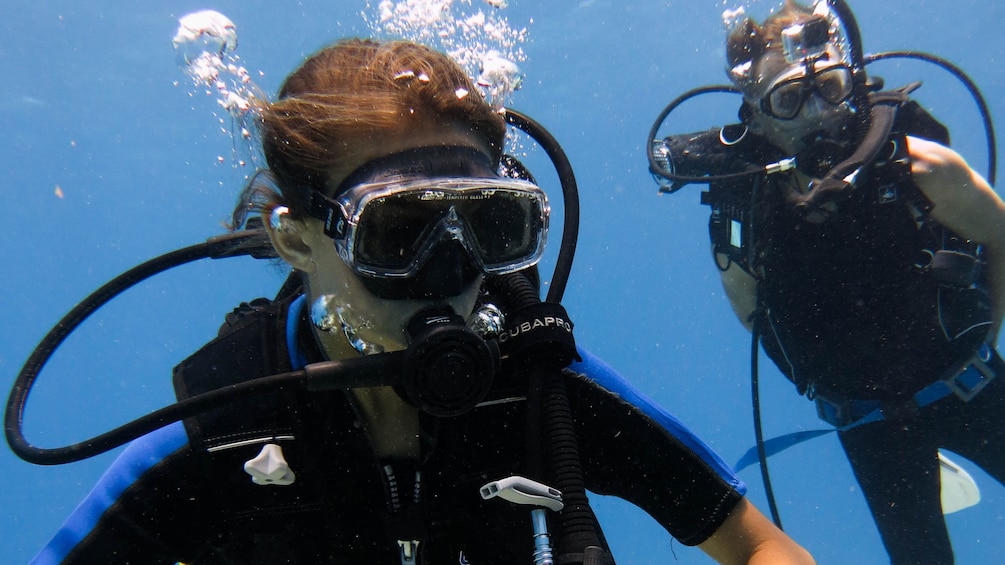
(88, 104)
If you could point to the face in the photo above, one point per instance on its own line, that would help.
(360, 320)
(799, 103)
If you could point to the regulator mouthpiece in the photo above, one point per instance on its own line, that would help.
(449, 369)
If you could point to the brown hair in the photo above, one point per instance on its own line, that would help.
(749, 41)
(353, 90)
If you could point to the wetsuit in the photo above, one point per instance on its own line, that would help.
(853, 314)
(181, 493)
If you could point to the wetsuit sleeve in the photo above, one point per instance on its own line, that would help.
(142, 510)
(634, 449)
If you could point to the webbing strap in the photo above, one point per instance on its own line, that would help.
(965, 383)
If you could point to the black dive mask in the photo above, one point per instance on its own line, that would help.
(426, 222)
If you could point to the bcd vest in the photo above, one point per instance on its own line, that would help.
(878, 300)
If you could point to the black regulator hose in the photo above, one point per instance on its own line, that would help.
(968, 83)
(755, 398)
(249, 242)
(570, 195)
(579, 533)
(680, 180)
(579, 539)
(552, 439)
(851, 30)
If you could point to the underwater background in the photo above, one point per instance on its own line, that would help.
(110, 157)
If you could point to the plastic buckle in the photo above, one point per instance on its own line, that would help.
(409, 550)
(829, 412)
(846, 414)
(972, 379)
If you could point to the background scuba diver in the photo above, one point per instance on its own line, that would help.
(873, 269)
(390, 209)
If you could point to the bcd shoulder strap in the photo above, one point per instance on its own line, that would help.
(250, 345)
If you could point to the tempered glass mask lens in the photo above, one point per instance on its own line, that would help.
(501, 226)
(834, 84)
(395, 228)
(506, 229)
(786, 99)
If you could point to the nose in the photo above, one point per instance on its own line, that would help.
(451, 228)
(813, 105)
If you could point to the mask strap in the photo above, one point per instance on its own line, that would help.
(436, 161)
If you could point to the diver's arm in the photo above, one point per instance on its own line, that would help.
(144, 509)
(747, 537)
(741, 289)
(965, 203)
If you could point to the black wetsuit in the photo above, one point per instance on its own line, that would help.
(852, 314)
(181, 493)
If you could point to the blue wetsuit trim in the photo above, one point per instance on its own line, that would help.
(297, 358)
(139, 457)
(605, 376)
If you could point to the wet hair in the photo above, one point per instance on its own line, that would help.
(351, 91)
(749, 41)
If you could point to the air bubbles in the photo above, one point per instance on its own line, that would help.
(202, 32)
(206, 42)
(499, 76)
(482, 43)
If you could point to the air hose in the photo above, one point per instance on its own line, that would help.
(542, 358)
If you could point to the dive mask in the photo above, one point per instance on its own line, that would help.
(790, 91)
(390, 225)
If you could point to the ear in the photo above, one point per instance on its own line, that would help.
(749, 117)
(289, 238)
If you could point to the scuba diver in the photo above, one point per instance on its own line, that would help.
(414, 244)
(866, 256)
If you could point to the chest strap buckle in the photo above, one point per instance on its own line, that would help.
(982, 369)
